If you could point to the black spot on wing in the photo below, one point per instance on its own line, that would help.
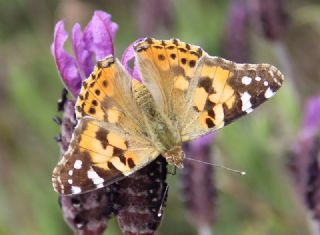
(131, 163)
(161, 57)
(92, 110)
(206, 83)
(209, 123)
(101, 135)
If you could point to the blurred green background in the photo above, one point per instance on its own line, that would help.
(262, 202)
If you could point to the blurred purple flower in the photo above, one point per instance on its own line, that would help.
(154, 16)
(270, 17)
(197, 179)
(94, 43)
(237, 43)
(311, 122)
(305, 162)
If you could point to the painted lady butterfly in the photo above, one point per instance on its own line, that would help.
(124, 124)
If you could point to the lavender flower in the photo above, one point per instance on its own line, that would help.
(270, 18)
(153, 16)
(141, 198)
(305, 163)
(237, 43)
(198, 188)
(96, 41)
(87, 213)
(311, 122)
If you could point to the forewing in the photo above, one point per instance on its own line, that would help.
(110, 140)
(99, 154)
(167, 68)
(107, 96)
(223, 91)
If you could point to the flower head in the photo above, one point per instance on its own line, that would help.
(90, 45)
(304, 164)
(237, 41)
(270, 18)
(199, 192)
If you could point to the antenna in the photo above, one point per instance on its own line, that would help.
(161, 205)
(216, 165)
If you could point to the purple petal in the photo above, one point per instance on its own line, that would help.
(99, 35)
(83, 56)
(312, 115)
(202, 142)
(66, 64)
(127, 56)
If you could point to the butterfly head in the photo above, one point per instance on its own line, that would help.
(175, 156)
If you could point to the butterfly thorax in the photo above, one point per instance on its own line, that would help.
(164, 136)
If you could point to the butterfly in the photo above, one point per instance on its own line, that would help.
(123, 123)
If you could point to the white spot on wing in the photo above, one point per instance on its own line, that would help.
(249, 110)
(70, 172)
(100, 185)
(269, 93)
(75, 189)
(70, 181)
(265, 83)
(258, 79)
(246, 80)
(245, 98)
(95, 177)
(77, 164)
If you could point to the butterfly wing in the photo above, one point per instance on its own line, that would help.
(107, 96)
(223, 91)
(109, 141)
(200, 93)
(99, 154)
(167, 68)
